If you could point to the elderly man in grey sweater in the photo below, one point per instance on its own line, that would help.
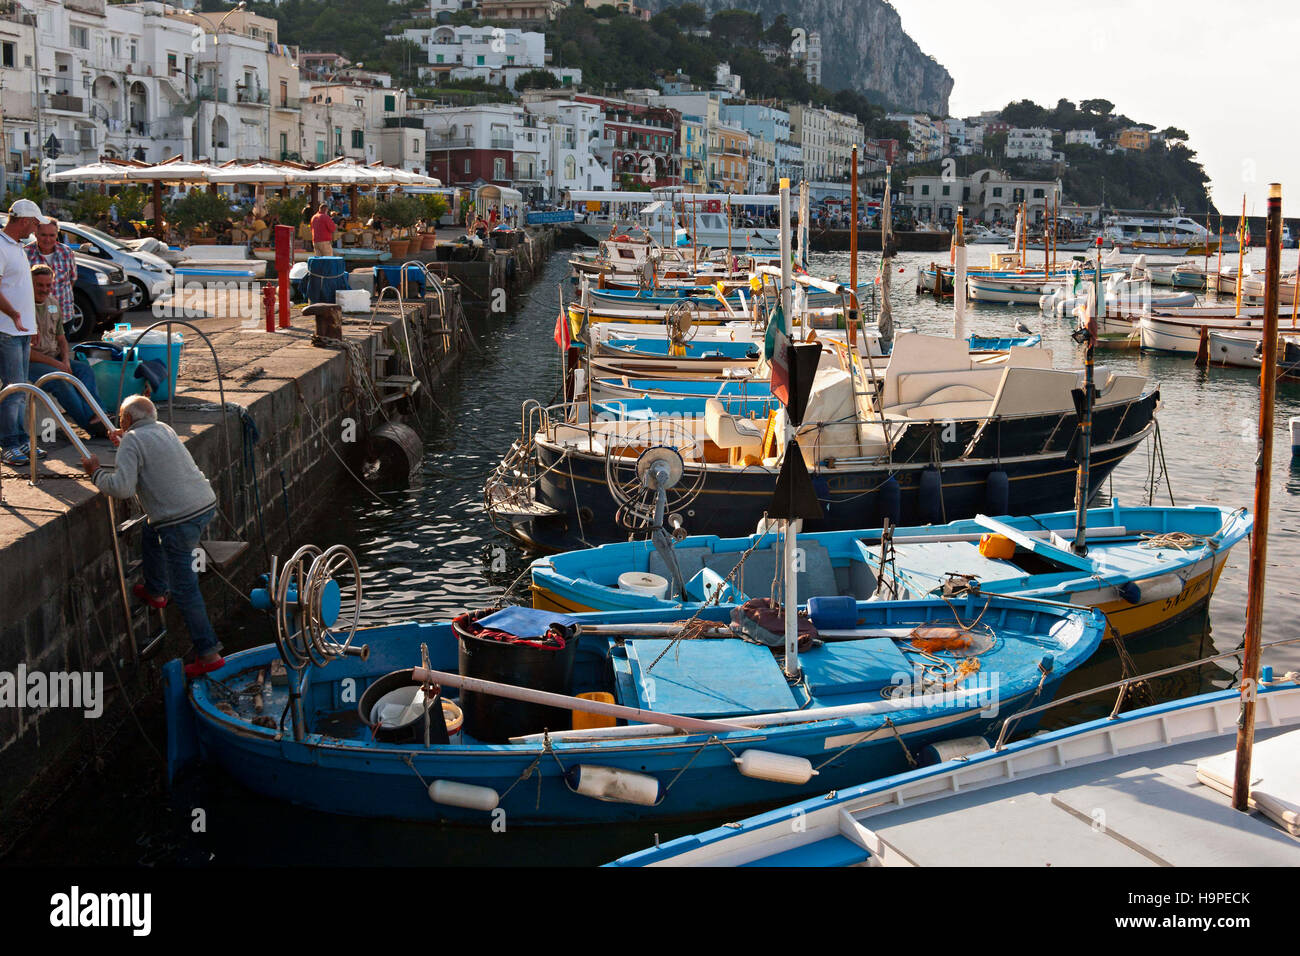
(178, 503)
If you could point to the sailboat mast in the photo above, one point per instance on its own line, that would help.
(1263, 488)
(886, 325)
(853, 231)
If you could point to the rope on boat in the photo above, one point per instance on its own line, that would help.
(1178, 540)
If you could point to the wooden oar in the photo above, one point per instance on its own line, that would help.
(565, 702)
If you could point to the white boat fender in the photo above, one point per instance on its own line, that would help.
(1295, 436)
(779, 768)
(467, 795)
(1158, 588)
(942, 751)
(613, 785)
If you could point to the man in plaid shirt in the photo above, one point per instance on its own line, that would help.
(47, 250)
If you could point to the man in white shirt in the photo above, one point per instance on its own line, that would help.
(17, 325)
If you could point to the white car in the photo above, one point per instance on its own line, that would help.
(151, 275)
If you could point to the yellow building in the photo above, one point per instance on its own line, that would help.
(729, 158)
(1135, 139)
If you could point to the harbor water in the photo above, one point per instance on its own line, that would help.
(430, 551)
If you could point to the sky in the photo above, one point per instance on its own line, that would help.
(1224, 72)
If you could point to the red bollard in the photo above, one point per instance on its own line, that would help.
(268, 305)
(283, 263)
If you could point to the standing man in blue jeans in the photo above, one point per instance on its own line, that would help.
(178, 502)
(17, 326)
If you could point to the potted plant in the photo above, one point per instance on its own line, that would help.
(400, 212)
(197, 210)
(433, 206)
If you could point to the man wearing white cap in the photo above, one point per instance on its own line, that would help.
(17, 325)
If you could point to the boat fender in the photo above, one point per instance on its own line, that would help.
(1159, 588)
(467, 795)
(930, 496)
(944, 750)
(394, 448)
(890, 501)
(997, 493)
(614, 785)
(778, 768)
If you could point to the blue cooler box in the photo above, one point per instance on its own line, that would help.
(107, 362)
(152, 346)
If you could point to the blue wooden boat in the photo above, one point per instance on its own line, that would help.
(1146, 567)
(718, 727)
(651, 407)
(652, 347)
(1131, 789)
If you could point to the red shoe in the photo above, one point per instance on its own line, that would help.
(199, 668)
(155, 602)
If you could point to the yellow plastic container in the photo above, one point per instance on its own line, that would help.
(997, 546)
(585, 721)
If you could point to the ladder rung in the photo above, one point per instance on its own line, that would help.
(222, 553)
(397, 381)
(129, 523)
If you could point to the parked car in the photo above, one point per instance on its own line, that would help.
(100, 295)
(149, 274)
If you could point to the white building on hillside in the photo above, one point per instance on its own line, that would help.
(1081, 137)
(1034, 143)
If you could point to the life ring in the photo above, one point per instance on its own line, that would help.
(624, 237)
(713, 205)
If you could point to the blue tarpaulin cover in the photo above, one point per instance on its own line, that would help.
(525, 621)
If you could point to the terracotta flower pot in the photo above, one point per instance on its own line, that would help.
(397, 248)
(428, 241)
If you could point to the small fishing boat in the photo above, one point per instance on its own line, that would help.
(532, 718)
(871, 458)
(1144, 567)
(1148, 786)
(1179, 333)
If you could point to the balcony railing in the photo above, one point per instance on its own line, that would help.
(222, 95)
(288, 103)
(503, 142)
(64, 102)
(245, 94)
(450, 142)
(404, 122)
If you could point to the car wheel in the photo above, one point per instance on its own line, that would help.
(139, 296)
(80, 322)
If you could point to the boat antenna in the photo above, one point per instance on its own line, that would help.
(1263, 488)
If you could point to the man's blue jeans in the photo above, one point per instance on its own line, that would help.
(13, 368)
(66, 394)
(169, 567)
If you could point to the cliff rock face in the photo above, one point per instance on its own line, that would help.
(864, 47)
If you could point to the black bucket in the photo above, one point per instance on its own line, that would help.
(496, 719)
(412, 731)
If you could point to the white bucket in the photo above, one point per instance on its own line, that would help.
(642, 582)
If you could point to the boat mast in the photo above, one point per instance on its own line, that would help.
(853, 231)
(1243, 230)
(1263, 487)
(958, 277)
(1084, 409)
(886, 323)
(790, 574)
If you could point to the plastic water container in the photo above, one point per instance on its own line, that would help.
(152, 345)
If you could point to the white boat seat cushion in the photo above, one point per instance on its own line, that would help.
(728, 431)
